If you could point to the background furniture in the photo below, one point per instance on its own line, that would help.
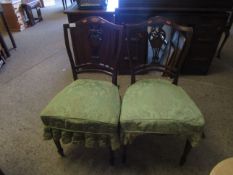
(64, 3)
(1, 172)
(13, 15)
(3, 44)
(28, 7)
(208, 19)
(87, 111)
(74, 14)
(158, 106)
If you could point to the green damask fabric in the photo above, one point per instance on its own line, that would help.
(158, 106)
(85, 112)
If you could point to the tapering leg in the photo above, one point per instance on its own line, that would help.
(203, 135)
(75, 76)
(112, 156)
(1, 173)
(187, 150)
(227, 34)
(124, 154)
(59, 147)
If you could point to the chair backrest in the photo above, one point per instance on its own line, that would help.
(166, 45)
(93, 45)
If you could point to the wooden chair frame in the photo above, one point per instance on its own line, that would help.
(27, 8)
(92, 66)
(89, 66)
(171, 69)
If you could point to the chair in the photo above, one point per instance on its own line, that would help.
(226, 32)
(27, 7)
(86, 112)
(159, 106)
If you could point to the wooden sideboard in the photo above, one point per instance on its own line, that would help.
(208, 19)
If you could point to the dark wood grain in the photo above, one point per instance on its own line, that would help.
(7, 29)
(187, 150)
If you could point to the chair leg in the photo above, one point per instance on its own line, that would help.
(112, 156)
(8, 30)
(59, 147)
(1, 173)
(227, 34)
(124, 154)
(203, 135)
(39, 14)
(187, 150)
(30, 15)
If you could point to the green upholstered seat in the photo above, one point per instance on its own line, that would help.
(85, 112)
(158, 106)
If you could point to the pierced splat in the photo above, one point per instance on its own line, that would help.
(95, 39)
(163, 48)
(93, 45)
(156, 37)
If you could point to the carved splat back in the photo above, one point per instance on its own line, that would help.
(165, 42)
(95, 44)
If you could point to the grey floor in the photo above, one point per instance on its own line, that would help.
(39, 68)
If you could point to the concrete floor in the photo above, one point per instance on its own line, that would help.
(39, 68)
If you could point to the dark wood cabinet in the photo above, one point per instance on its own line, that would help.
(207, 4)
(13, 15)
(208, 18)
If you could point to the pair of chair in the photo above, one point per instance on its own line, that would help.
(90, 112)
